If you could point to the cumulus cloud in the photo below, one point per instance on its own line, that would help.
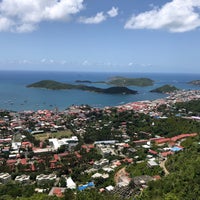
(25, 15)
(113, 12)
(99, 17)
(174, 16)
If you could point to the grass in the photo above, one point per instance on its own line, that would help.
(59, 134)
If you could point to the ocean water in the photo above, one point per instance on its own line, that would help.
(14, 95)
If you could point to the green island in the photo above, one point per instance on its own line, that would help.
(54, 85)
(195, 82)
(123, 81)
(165, 89)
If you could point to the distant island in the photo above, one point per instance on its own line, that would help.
(123, 81)
(83, 81)
(165, 89)
(87, 81)
(54, 85)
(195, 82)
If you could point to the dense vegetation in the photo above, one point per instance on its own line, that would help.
(22, 192)
(165, 89)
(183, 182)
(54, 85)
(190, 108)
(136, 123)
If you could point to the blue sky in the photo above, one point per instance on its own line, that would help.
(100, 35)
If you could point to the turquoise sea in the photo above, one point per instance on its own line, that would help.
(15, 96)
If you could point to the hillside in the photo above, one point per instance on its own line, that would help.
(165, 89)
(183, 180)
(54, 85)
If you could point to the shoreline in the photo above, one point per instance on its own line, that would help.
(144, 106)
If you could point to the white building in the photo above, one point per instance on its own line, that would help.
(24, 179)
(56, 143)
(5, 178)
(70, 183)
(43, 179)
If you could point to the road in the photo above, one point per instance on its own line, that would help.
(162, 165)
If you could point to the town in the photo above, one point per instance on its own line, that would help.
(116, 150)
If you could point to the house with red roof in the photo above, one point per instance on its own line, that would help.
(153, 152)
(57, 191)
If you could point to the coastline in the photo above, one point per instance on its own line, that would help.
(15, 96)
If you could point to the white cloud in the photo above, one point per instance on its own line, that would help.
(113, 12)
(5, 23)
(98, 18)
(24, 15)
(174, 16)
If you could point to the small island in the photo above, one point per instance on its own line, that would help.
(83, 81)
(123, 81)
(165, 89)
(195, 82)
(54, 85)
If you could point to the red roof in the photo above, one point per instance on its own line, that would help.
(63, 154)
(140, 141)
(179, 137)
(56, 157)
(126, 145)
(153, 152)
(156, 177)
(162, 140)
(23, 161)
(25, 143)
(57, 192)
(128, 160)
(165, 154)
(77, 154)
(32, 167)
(11, 161)
(91, 146)
(155, 139)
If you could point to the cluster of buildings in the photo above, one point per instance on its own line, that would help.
(150, 107)
(17, 151)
